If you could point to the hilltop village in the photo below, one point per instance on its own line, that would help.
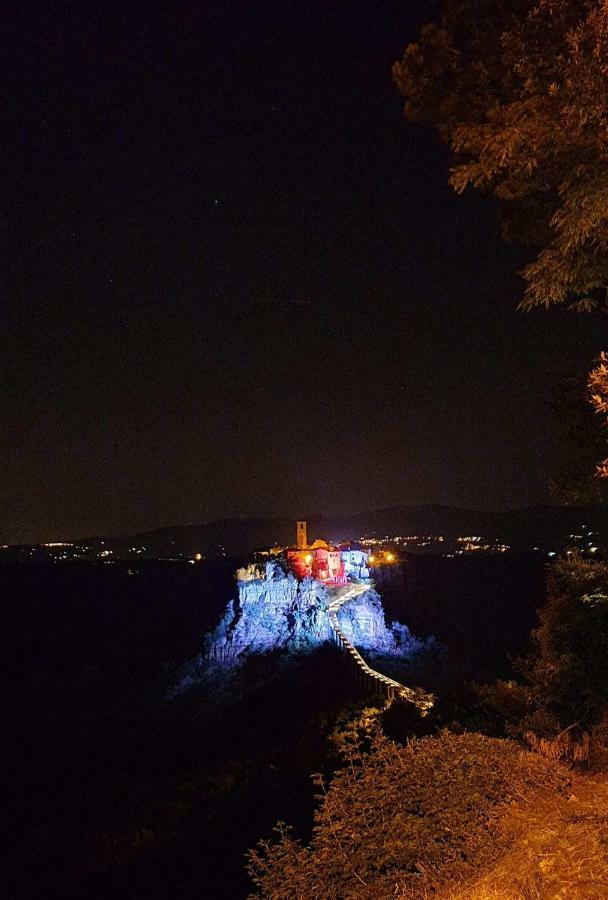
(289, 599)
(320, 560)
(331, 565)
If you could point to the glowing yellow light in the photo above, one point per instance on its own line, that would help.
(371, 559)
(198, 556)
(308, 559)
(389, 557)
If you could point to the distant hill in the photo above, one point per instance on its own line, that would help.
(542, 526)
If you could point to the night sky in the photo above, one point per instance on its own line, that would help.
(238, 283)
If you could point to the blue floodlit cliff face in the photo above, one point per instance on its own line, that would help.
(278, 612)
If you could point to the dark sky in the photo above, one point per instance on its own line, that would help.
(239, 284)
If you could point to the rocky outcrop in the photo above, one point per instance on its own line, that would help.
(280, 612)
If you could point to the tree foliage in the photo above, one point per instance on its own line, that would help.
(567, 672)
(398, 818)
(575, 482)
(598, 391)
(519, 91)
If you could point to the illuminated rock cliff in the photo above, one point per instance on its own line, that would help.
(279, 612)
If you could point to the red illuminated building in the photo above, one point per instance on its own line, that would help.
(319, 560)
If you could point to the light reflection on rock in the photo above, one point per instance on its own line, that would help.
(278, 612)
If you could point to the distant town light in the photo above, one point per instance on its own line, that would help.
(198, 556)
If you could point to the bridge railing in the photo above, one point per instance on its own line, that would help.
(375, 682)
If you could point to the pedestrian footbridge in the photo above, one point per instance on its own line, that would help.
(374, 682)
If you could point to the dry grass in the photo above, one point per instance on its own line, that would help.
(556, 848)
(450, 817)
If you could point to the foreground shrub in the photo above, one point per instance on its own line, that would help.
(567, 671)
(398, 818)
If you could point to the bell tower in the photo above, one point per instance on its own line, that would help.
(301, 539)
